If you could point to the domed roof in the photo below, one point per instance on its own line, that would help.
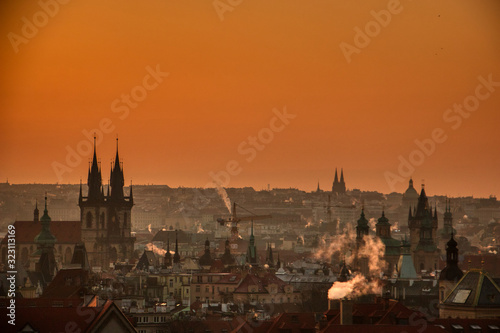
(362, 220)
(410, 193)
(383, 219)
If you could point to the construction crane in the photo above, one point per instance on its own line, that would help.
(234, 220)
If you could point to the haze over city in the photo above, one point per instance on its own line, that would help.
(360, 99)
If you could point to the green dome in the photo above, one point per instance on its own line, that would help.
(45, 237)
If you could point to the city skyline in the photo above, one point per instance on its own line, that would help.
(206, 81)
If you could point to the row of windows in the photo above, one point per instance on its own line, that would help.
(151, 319)
(89, 221)
(207, 289)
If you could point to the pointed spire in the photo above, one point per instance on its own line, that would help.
(342, 175)
(36, 212)
(177, 257)
(336, 179)
(94, 180)
(117, 179)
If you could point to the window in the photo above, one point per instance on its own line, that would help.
(207, 289)
(198, 288)
(89, 220)
(171, 283)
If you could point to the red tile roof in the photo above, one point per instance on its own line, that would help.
(261, 282)
(68, 283)
(59, 319)
(66, 232)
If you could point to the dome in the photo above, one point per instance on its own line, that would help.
(383, 219)
(410, 194)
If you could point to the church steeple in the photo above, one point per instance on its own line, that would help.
(94, 180)
(451, 272)
(168, 255)
(362, 228)
(252, 250)
(177, 256)
(339, 187)
(117, 179)
(36, 212)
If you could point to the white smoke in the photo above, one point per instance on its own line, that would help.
(155, 249)
(354, 287)
(371, 250)
(223, 194)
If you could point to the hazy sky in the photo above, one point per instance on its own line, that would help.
(276, 92)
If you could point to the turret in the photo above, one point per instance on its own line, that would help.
(177, 256)
(36, 213)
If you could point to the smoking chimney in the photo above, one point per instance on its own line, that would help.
(346, 311)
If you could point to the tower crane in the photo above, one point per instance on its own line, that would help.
(234, 220)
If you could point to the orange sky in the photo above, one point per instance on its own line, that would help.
(226, 77)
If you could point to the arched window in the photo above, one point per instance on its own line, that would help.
(89, 220)
(125, 220)
(103, 223)
(421, 266)
(67, 255)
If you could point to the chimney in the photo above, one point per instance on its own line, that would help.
(346, 311)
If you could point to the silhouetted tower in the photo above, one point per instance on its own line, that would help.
(36, 213)
(227, 258)
(362, 230)
(415, 220)
(252, 250)
(339, 187)
(45, 241)
(451, 274)
(106, 219)
(177, 256)
(168, 256)
(269, 256)
(423, 231)
(206, 258)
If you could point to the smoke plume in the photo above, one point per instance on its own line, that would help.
(155, 249)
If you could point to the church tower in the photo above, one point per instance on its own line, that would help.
(252, 250)
(450, 275)
(339, 187)
(45, 241)
(93, 213)
(106, 227)
(362, 229)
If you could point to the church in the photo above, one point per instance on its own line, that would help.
(106, 218)
(104, 227)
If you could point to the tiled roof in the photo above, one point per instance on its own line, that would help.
(476, 288)
(262, 282)
(65, 231)
(68, 283)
